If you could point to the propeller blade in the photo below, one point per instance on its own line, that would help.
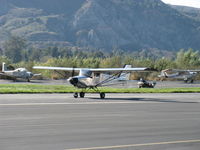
(73, 72)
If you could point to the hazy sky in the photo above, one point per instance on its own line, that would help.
(192, 3)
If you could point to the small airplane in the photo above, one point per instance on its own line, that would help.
(22, 73)
(187, 75)
(92, 78)
(145, 84)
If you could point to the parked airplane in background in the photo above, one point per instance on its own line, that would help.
(92, 78)
(17, 73)
(146, 84)
(186, 75)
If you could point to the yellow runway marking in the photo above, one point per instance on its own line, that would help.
(137, 145)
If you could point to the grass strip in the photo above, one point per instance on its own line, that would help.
(29, 88)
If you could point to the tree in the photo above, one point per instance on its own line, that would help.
(115, 61)
(53, 51)
(4, 59)
(164, 63)
(14, 47)
(188, 59)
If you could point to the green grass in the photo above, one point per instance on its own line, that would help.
(28, 88)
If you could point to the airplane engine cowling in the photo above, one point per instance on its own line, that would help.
(73, 81)
(30, 74)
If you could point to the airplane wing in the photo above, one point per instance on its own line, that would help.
(198, 71)
(57, 68)
(181, 70)
(6, 75)
(3, 74)
(119, 69)
(39, 74)
(178, 71)
(103, 70)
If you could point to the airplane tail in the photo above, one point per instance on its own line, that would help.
(163, 74)
(4, 67)
(124, 76)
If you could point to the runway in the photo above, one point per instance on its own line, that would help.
(120, 122)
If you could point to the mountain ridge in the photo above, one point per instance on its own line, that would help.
(101, 24)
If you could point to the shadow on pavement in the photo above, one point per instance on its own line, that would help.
(144, 100)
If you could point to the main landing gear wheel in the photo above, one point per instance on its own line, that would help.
(102, 95)
(82, 94)
(75, 95)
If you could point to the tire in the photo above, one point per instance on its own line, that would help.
(82, 94)
(102, 95)
(75, 95)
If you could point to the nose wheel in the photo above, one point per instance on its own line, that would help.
(75, 95)
(102, 95)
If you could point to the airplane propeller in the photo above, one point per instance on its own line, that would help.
(73, 72)
(73, 80)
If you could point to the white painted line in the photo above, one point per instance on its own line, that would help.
(137, 145)
(76, 103)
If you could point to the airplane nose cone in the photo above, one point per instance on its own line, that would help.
(30, 74)
(73, 81)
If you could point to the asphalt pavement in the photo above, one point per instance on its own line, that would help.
(121, 121)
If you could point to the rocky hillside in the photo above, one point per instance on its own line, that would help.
(188, 11)
(106, 24)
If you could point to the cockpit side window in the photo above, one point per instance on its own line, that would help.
(96, 74)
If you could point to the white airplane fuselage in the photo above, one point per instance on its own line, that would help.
(185, 75)
(87, 79)
(19, 73)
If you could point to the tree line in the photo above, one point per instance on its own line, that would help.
(15, 51)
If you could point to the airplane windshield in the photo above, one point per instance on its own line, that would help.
(21, 69)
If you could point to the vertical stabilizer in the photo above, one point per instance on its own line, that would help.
(4, 68)
(164, 73)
